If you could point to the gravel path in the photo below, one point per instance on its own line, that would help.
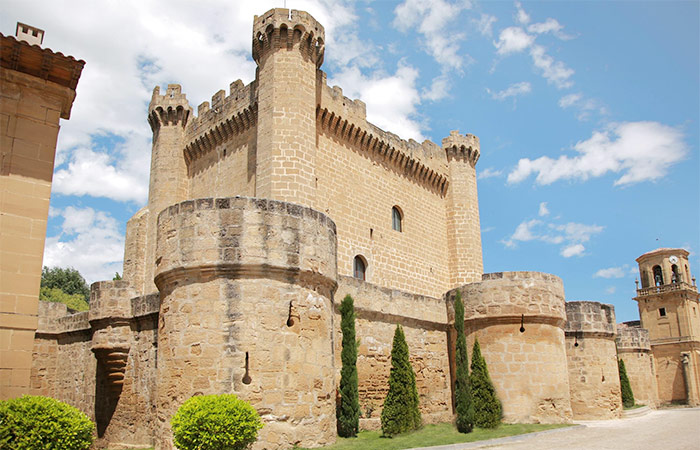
(667, 429)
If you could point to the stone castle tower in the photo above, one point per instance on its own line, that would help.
(265, 210)
(669, 309)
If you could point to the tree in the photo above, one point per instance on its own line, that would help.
(348, 411)
(400, 412)
(68, 280)
(625, 387)
(487, 406)
(463, 397)
(75, 301)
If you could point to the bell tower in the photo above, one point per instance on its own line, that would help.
(669, 309)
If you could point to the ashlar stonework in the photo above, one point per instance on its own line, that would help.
(265, 209)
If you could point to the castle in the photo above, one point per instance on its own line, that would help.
(279, 199)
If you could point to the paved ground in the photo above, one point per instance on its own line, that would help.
(667, 429)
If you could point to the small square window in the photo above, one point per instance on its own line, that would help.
(662, 312)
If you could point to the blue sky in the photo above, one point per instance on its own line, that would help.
(587, 114)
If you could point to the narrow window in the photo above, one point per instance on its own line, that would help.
(359, 267)
(396, 218)
(658, 276)
(662, 312)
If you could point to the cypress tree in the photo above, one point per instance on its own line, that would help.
(400, 412)
(348, 411)
(463, 396)
(487, 406)
(625, 387)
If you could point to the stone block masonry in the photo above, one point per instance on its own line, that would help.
(37, 88)
(592, 361)
(634, 349)
(518, 318)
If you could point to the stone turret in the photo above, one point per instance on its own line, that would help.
(634, 349)
(168, 115)
(463, 227)
(288, 46)
(246, 287)
(592, 361)
(518, 318)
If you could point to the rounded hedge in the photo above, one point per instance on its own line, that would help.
(43, 423)
(215, 422)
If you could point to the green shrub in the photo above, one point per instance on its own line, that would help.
(625, 387)
(348, 411)
(463, 397)
(487, 406)
(73, 301)
(43, 423)
(400, 413)
(215, 422)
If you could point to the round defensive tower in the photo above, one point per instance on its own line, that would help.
(592, 359)
(634, 348)
(246, 287)
(288, 47)
(519, 318)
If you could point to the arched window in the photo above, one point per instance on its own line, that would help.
(396, 218)
(675, 276)
(687, 274)
(658, 276)
(359, 266)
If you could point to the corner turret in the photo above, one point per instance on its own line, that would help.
(169, 109)
(288, 47)
(281, 28)
(463, 226)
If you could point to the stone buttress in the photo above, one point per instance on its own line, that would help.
(592, 361)
(519, 318)
(246, 289)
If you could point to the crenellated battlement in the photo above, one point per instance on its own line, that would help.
(281, 28)
(223, 118)
(346, 120)
(169, 109)
(464, 148)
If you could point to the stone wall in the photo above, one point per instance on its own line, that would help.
(634, 349)
(246, 289)
(63, 367)
(592, 361)
(518, 318)
(378, 310)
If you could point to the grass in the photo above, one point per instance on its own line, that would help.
(635, 406)
(429, 435)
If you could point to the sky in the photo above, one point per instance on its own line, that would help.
(587, 113)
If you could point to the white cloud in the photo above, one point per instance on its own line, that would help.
(572, 250)
(485, 24)
(584, 106)
(439, 89)
(549, 26)
(90, 242)
(391, 99)
(513, 90)
(432, 18)
(610, 290)
(612, 272)
(513, 40)
(489, 172)
(639, 151)
(555, 72)
(570, 235)
(570, 100)
(521, 16)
